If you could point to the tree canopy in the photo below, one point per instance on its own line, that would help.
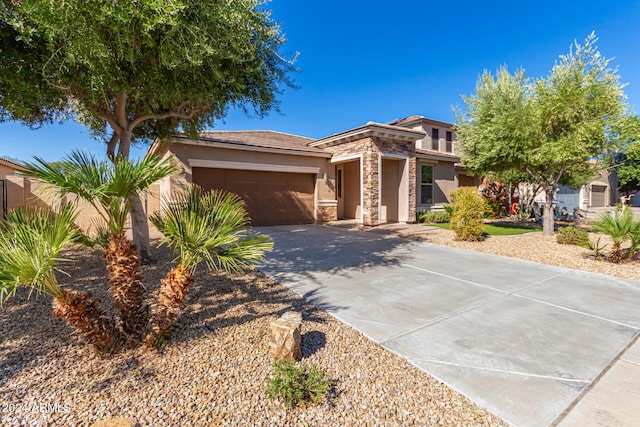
(547, 128)
(138, 69)
(627, 158)
(116, 65)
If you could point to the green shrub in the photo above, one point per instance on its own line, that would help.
(597, 248)
(621, 226)
(492, 208)
(448, 209)
(468, 211)
(294, 384)
(431, 217)
(573, 236)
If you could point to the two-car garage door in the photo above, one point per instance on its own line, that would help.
(271, 198)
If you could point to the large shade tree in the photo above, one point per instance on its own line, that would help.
(626, 159)
(137, 70)
(548, 128)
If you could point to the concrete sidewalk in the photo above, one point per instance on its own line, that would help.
(529, 342)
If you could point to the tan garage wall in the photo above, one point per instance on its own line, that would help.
(323, 180)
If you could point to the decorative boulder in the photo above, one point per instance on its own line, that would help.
(284, 337)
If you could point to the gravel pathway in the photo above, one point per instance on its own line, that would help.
(213, 372)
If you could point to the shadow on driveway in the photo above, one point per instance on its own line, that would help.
(329, 250)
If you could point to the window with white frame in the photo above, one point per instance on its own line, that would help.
(426, 184)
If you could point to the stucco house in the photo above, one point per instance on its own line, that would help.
(373, 173)
(11, 185)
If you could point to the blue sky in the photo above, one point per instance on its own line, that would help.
(376, 60)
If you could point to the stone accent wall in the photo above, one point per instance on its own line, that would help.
(413, 185)
(370, 147)
(390, 146)
(370, 188)
(326, 210)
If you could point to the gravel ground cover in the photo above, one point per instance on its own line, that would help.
(534, 247)
(213, 371)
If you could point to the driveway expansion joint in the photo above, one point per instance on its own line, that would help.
(507, 372)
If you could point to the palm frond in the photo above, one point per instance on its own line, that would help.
(30, 241)
(247, 251)
(131, 176)
(106, 186)
(617, 225)
(78, 173)
(209, 227)
(97, 235)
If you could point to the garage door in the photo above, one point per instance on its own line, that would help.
(597, 196)
(271, 198)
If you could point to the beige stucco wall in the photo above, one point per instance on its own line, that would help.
(444, 181)
(25, 191)
(425, 143)
(6, 170)
(390, 189)
(351, 190)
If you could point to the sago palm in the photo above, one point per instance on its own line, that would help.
(30, 242)
(109, 188)
(620, 227)
(198, 226)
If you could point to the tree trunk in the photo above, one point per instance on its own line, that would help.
(140, 229)
(125, 285)
(84, 312)
(139, 222)
(548, 223)
(173, 292)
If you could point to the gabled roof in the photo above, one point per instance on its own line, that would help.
(10, 163)
(370, 129)
(259, 138)
(413, 120)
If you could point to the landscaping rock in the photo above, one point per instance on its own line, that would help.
(284, 337)
(213, 371)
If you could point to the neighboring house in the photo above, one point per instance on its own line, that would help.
(600, 192)
(374, 173)
(11, 185)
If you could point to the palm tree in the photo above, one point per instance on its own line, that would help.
(30, 241)
(620, 226)
(634, 234)
(109, 188)
(198, 226)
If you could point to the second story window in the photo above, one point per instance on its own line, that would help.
(449, 142)
(435, 139)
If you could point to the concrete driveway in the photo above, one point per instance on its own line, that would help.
(522, 339)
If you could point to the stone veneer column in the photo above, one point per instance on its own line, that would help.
(413, 183)
(370, 187)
